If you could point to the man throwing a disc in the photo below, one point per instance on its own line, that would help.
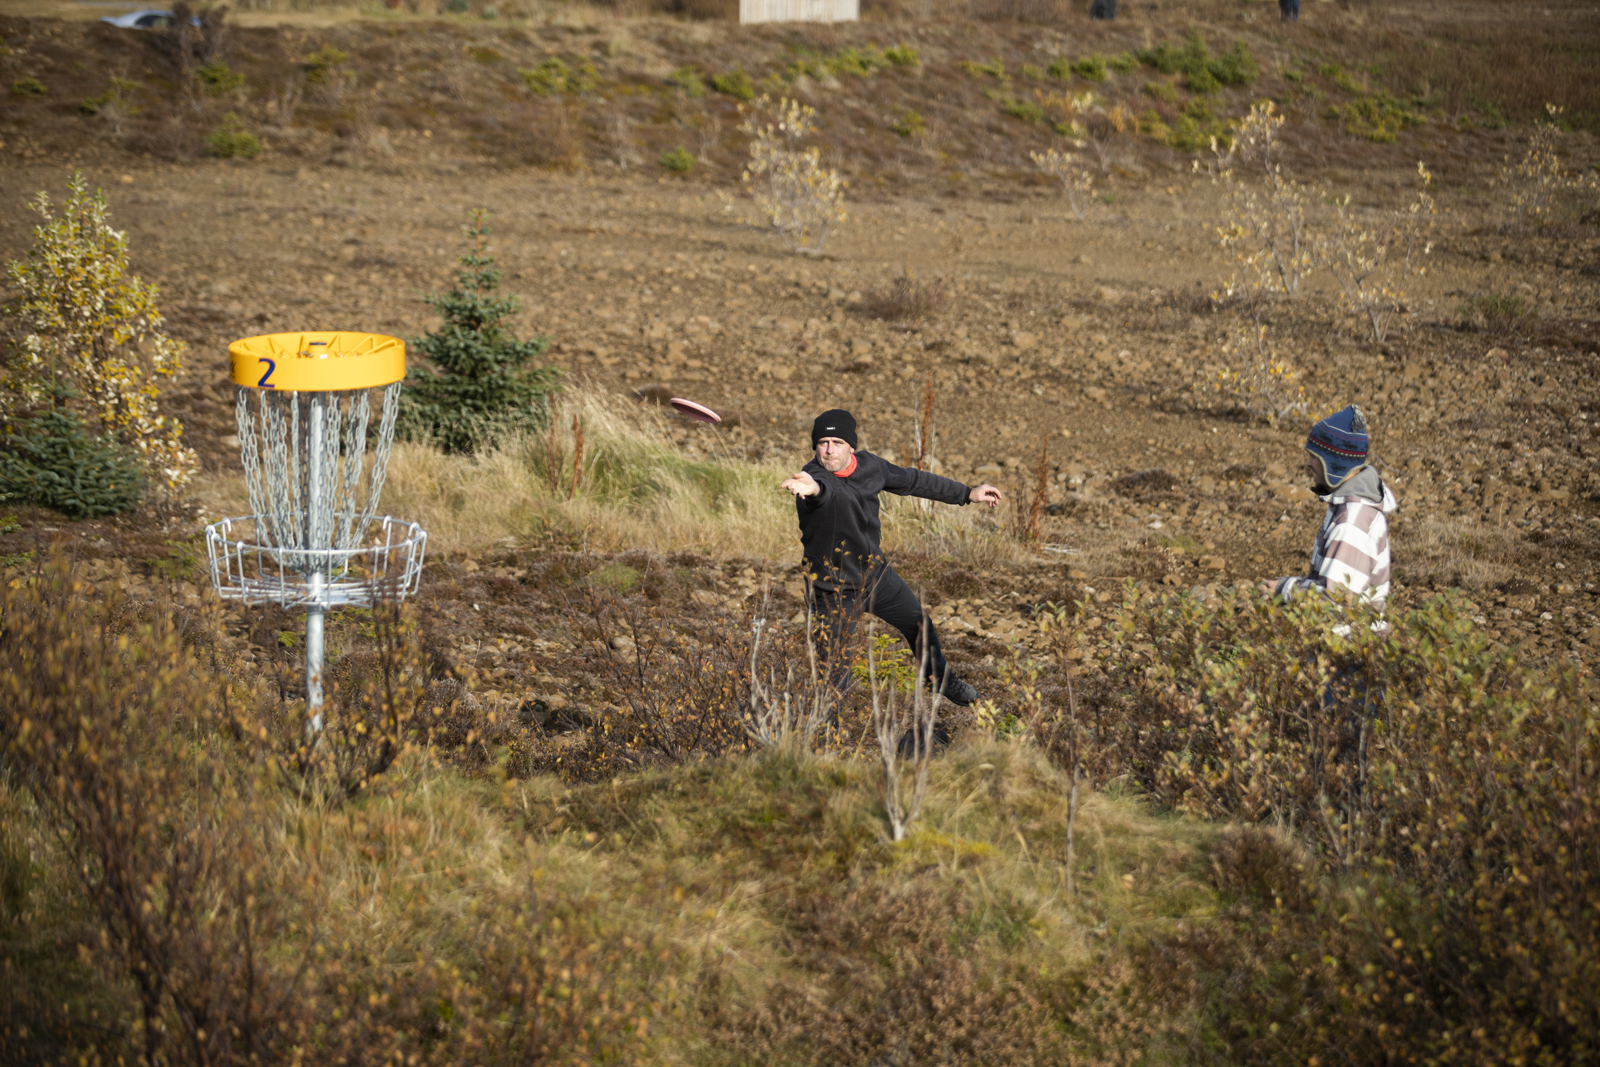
(836, 496)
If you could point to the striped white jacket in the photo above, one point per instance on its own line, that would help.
(1352, 549)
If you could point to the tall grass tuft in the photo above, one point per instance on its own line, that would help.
(627, 484)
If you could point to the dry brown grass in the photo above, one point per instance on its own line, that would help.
(1459, 552)
(711, 911)
(637, 487)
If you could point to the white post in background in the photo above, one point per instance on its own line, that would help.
(799, 10)
(314, 612)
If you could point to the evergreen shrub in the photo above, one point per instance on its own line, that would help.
(736, 84)
(52, 461)
(231, 140)
(479, 379)
(678, 160)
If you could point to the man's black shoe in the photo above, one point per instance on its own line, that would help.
(908, 741)
(959, 693)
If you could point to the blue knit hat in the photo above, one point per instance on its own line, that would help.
(1340, 441)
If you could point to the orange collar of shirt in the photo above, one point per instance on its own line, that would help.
(849, 469)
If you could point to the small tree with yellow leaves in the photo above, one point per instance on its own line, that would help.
(1074, 174)
(1373, 259)
(81, 324)
(1258, 379)
(794, 193)
(1539, 183)
(1268, 233)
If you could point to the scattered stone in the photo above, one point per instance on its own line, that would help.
(1023, 341)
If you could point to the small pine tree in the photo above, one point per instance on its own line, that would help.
(51, 460)
(479, 380)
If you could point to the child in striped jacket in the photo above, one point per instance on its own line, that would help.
(1351, 554)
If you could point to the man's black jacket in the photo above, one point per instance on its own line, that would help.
(839, 526)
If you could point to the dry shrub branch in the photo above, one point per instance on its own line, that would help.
(903, 726)
(1540, 183)
(1257, 378)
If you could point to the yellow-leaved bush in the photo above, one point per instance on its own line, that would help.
(794, 193)
(81, 321)
(1426, 892)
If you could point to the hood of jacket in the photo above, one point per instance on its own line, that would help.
(1365, 484)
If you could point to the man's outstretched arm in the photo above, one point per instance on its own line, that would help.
(906, 481)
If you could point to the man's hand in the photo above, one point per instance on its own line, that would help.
(802, 484)
(1268, 589)
(985, 494)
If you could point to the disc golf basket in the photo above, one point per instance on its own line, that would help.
(314, 539)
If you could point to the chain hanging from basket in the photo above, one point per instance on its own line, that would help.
(276, 431)
(314, 538)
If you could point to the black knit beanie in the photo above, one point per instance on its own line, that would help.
(836, 423)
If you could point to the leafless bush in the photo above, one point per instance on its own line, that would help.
(620, 139)
(707, 135)
(1540, 183)
(1258, 379)
(1068, 168)
(677, 693)
(905, 299)
(374, 713)
(795, 711)
(171, 135)
(181, 47)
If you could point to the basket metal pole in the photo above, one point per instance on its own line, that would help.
(314, 612)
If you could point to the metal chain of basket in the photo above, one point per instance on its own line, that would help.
(279, 433)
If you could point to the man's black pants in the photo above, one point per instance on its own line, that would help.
(837, 613)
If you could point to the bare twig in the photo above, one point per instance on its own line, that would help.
(577, 456)
(1041, 481)
(891, 724)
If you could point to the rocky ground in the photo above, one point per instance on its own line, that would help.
(1091, 340)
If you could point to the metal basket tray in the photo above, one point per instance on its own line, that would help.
(388, 568)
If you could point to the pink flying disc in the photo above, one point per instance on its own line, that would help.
(698, 412)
